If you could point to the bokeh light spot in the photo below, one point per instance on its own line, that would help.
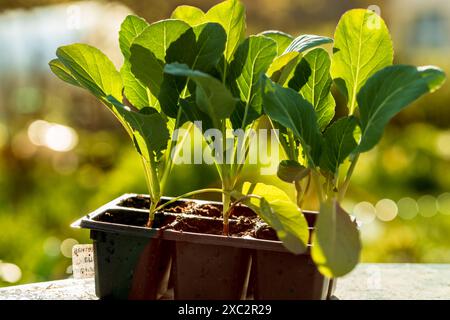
(60, 138)
(52, 135)
(407, 208)
(10, 273)
(66, 247)
(443, 145)
(386, 210)
(427, 206)
(444, 203)
(364, 212)
(51, 246)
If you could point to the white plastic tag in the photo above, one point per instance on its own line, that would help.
(83, 261)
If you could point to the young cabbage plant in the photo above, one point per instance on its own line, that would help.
(227, 96)
(297, 98)
(127, 94)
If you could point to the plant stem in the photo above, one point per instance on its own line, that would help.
(299, 192)
(152, 180)
(226, 199)
(170, 160)
(319, 188)
(292, 146)
(346, 183)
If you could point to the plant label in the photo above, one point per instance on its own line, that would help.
(83, 261)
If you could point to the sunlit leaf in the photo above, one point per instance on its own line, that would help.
(91, 69)
(362, 47)
(200, 48)
(130, 28)
(306, 42)
(136, 92)
(282, 68)
(288, 108)
(148, 126)
(336, 244)
(312, 78)
(62, 72)
(388, 92)
(212, 97)
(148, 52)
(189, 14)
(339, 143)
(231, 15)
(278, 211)
(251, 60)
(282, 39)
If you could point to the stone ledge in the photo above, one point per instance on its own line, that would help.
(366, 282)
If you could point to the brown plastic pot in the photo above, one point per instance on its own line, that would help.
(281, 275)
(130, 262)
(208, 266)
(134, 262)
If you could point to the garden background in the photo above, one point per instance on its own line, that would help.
(62, 154)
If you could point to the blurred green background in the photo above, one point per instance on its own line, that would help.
(62, 154)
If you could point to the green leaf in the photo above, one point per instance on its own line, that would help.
(92, 70)
(135, 91)
(278, 211)
(306, 42)
(290, 171)
(312, 78)
(62, 72)
(130, 28)
(212, 97)
(362, 47)
(189, 14)
(158, 37)
(339, 143)
(388, 92)
(336, 244)
(200, 48)
(231, 15)
(148, 126)
(148, 52)
(282, 39)
(289, 109)
(282, 68)
(147, 70)
(251, 60)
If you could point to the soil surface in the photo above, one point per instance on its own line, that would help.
(238, 228)
(142, 202)
(138, 219)
(215, 210)
(138, 202)
(243, 221)
(265, 232)
(204, 210)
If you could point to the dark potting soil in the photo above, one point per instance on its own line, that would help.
(215, 210)
(204, 210)
(265, 232)
(243, 220)
(138, 219)
(237, 228)
(138, 202)
(143, 202)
